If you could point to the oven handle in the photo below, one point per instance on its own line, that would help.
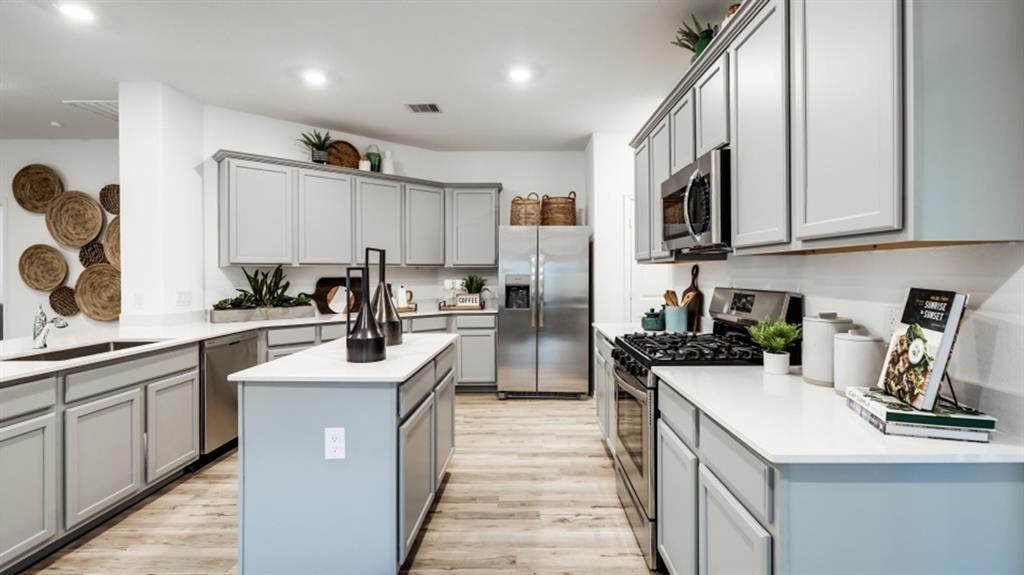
(686, 205)
(638, 393)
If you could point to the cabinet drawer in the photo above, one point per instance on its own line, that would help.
(445, 361)
(27, 397)
(680, 414)
(415, 389)
(749, 478)
(474, 321)
(291, 335)
(123, 373)
(438, 323)
(332, 331)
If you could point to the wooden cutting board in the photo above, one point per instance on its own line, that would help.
(695, 308)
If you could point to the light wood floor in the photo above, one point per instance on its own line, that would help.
(530, 492)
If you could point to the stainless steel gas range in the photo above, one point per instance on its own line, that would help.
(636, 393)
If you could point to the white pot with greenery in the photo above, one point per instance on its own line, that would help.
(267, 298)
(775, 337)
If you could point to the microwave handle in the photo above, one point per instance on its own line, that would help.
(686, 205)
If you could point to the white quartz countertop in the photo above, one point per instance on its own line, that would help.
(612, 330)
(327, 363)
(166, 336)
(788, 421)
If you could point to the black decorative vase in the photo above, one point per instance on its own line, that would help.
(383, 306)
(365, 340)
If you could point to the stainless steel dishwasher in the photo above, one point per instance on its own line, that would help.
(221, 358)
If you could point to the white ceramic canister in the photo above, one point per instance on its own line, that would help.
(816, 348)
(858, 359)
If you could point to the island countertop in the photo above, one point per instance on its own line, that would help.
(328, 363)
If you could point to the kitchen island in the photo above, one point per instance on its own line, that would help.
(340, 462)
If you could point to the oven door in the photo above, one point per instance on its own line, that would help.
(633, 437)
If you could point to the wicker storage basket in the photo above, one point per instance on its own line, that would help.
(526, 211)
(558, 211)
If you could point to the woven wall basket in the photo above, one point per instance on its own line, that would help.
(110, 198)
(525, 211)
(342, 153)
(42, 267)
(558, 211)
(112, 242)
(35, 186)
(98, 292)
(92, 253)
(62, 301)
(74, 219)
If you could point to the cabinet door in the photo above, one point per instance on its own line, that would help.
(677, 503)
(609, 382)
(424, 225)
(102, 454)
(661, 170)
(712, 95)
(444, 425)
(847, 121)
(325, 218)
(172, 424)
(415, 474)
(599, 392)
(681, 123)
(261, 213)
(474, 227)
(730, 539)
(642, 201)
(759, 131)
(476, 356)
(28, 476)
(379, 218)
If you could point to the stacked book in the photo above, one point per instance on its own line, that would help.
(891, 416)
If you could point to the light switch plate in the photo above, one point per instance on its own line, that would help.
(334, 443)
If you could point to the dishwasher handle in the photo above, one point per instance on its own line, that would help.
(229, 340)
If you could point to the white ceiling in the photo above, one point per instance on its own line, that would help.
(598, 65)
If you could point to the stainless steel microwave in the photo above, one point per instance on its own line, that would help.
(695, 205)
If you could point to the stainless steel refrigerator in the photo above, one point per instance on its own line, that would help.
(543, 309)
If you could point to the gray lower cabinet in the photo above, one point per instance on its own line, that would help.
(415, 474)
(279, 352)
(444, 426)
(600, 393)
(102, 454)
(256, 212)
(730, 539)
(711, 95)
(661, 170)
(28, 491)
(642, 202)
(172, 424)
(477, 356)
(424, 225)
(379, 218)
(473, 233)
(326, 208)
(677, 503)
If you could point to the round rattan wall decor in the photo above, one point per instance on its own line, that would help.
(62, 301)
(110, 198)
(92, 253)
(342, 153)
(98, 292)
(35, 186)
(74, 219)
(42, 267)
(112, 242)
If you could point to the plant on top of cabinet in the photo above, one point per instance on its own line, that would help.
(695, 39)
(267, 299)
(317, 144)
(775, 337)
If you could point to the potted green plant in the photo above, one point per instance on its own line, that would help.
(695, 39)
(317, 143)
(266, 298)
(775, 337)
(474, 287)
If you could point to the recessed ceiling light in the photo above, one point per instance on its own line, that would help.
(520, 74)
(314, 77)
(55, 124)
(76, 12)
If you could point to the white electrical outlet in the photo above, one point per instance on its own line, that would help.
(334, 443)
(893, 315)
(184, 298)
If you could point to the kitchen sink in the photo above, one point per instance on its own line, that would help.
(81, 351)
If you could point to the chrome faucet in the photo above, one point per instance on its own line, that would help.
(41, 328)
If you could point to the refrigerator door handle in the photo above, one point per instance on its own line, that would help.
(540, 290)
(533, 291)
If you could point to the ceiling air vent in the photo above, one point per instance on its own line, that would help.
(424, 108)
(105, 108)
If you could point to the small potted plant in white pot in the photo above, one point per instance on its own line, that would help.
(317, 144)
(775, 337)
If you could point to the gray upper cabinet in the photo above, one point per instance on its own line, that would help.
(424, 225)
(681, 122)
(172, 424)
(444, 426)
(379, 218)
(730, 539)
(711, 95)
(642, 202)
(661, 170)
(847, 117)
(759, 130)
(415, 474)
(102, 454)
(257, 213)
(677, 503)
(28, 491)
(326, 209)
(474, 228)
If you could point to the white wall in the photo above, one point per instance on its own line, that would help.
(610, 173)
(84, 165)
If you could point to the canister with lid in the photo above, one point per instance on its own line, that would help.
(817, 346)
(858, 359)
